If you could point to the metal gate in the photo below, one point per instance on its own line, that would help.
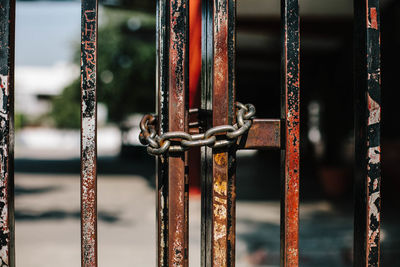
(223, 126)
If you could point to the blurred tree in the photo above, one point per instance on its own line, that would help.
(126, 69)
(147, 6)
(66, 107)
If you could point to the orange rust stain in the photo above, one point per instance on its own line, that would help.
(221, 159)
(291, 214)
(220, 200)
(220, 231)
(220, 211)
(220, 187)
(374, 18)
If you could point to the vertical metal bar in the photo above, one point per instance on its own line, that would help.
(219, 165)
(89, 133)
(178, 121)
(162, 163)
(7, 43)
(290, 114)
(207, 45)
(367, 133)
(173, 24)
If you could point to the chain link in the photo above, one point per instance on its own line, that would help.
(217, 137)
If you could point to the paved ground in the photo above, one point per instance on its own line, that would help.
(48, 230)
(47, 224)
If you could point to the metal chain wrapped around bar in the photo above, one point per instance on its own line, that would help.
(182, 141)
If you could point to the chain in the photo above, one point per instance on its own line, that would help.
(217, 137)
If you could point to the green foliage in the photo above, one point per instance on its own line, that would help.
(66, 107)
(126, 70)
(19, 121)
(128, 58)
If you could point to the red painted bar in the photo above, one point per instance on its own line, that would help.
(291, 118)
(7, 42)
(89, 134)
(367, 90)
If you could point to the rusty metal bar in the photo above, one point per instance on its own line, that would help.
(218, 166)
(89, 133)
(172, 179)
(290, 114)
(7, 42)
(263, 134)
(367, 133)
(178, 121)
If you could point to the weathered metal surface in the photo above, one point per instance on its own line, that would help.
(89, 133)
(178, 107)
(7, 236)
(367, 133)
(172, 87)
(162, 111)
(291, 118)
(263, 134)
(223, 108)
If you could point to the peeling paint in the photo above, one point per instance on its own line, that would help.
(7, 21)
(373, 21)
(162, 111)
(368, 147)
(373, 136)
(177, 88)
(374, 110)
(223, 111)
(89, 134)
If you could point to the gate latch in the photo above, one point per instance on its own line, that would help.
(217, 137)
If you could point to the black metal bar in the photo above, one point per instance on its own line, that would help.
(206, 152)
(367, 133)
(231, 117)
(162, 111)
(7, 45)
(89, 133)
(290, 114)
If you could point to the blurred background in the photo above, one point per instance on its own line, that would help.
(48, 120)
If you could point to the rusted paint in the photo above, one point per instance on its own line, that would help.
(220, 209)
(89, 134)
(178, 121)
(263, 134)
(367, 134)
(373, 19)
(291, 118)
(7, 23)
(223, 110)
